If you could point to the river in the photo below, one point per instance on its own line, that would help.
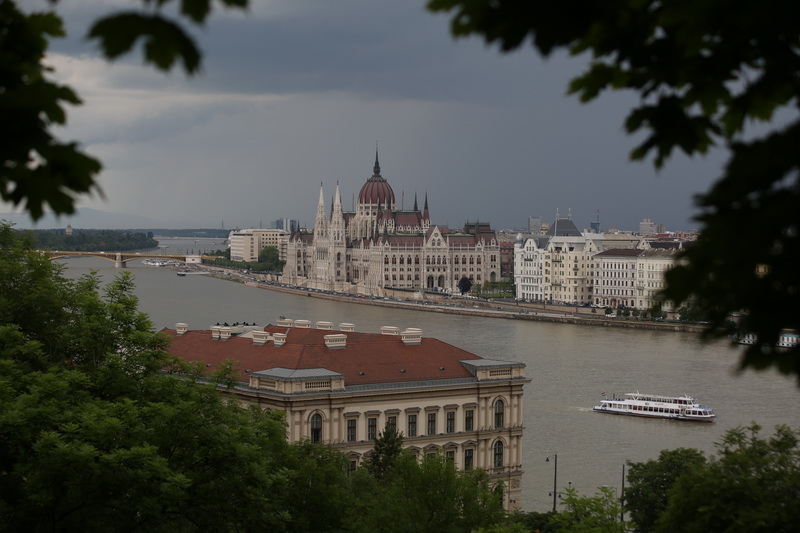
(570, 366)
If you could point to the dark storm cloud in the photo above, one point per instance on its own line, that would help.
(298, 92)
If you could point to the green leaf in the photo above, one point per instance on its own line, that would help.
(165, 42)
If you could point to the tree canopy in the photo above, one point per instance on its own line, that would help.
(704, 70)
(650, 483)
(751, 484)
(464, 285)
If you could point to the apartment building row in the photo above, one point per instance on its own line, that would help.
(567, 266)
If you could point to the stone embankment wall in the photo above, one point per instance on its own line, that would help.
(508, 311)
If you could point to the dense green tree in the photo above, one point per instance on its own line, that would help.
(36, 168)
(318, 495)
(751, 484)
(428, 496)
(385, 452)
(269, 258)
(464, 285)
(92, 240)
(650, 482)
(530, 522)
(703, 69)
(600, 513)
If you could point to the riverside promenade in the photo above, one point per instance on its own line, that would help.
(440, 303)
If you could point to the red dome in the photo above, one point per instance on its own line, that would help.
(377, 190)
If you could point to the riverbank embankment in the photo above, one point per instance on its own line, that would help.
(506, 310)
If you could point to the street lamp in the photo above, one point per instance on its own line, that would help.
(555, 477)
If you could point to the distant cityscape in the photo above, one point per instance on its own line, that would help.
(377, 248)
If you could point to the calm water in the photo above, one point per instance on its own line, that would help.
(570, 366)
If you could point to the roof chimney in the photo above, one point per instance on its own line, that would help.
(336, 341)
(181, 328)
(345, 326)
(389, 330)
(305, 324)
(260, 337)
(215, 332)
(279, 339)
(285, 322)
(224, 333)
(411, 336)
(324, 325)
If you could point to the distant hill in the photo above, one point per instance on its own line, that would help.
(84, 217)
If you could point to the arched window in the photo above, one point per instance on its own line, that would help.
(316, 428)
(498, 454)
(499, 414)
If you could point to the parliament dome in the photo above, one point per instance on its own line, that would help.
(377, 190)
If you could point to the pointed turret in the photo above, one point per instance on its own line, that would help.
(425, 214)
(376, 169)
(320, 222)
(415, 202)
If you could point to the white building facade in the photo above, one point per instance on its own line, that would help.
(631, 278)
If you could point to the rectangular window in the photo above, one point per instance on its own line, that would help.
(469, 420)
(469, 459)
(351, 429)
(450, 455)
(372, 428)
(412, 425)
(451, 422)
(391, 423)
(431, 423)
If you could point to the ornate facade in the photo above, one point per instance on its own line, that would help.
(379, 246)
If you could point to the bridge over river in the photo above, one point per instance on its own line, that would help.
(121, 259)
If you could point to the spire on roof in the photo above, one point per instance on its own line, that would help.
(415, 202)
(376, 170)
(425, 214)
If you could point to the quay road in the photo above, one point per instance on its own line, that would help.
(460, 305)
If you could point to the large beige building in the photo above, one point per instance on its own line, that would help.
(342, 387)
(246, 244)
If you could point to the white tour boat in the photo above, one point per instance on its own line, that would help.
(653, 406)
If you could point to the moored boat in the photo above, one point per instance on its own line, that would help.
(655, 406)
(786, 339)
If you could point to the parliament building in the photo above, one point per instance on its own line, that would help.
(378, 246)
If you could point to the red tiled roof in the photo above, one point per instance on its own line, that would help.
(405, 218)
(381, 358)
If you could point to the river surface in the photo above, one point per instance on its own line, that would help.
(569, 365)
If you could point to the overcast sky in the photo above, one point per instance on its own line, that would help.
(298, 92)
